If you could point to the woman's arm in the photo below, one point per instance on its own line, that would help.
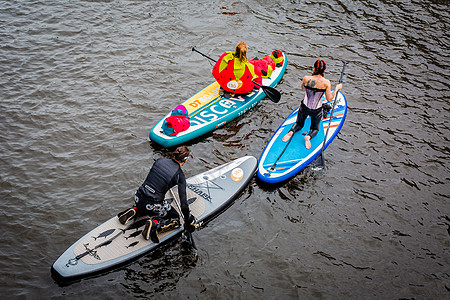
(303, 83)
(330, 95)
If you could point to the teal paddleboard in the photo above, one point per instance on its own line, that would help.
(208, 110)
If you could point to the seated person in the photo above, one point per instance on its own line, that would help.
(235, 74)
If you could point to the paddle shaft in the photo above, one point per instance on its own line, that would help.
(193, 49)
(187, 232)
(322, 161)
(285, 147)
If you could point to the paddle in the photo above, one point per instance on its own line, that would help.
(320, 164)
(186, 232)
(272, 168)
(270, 92)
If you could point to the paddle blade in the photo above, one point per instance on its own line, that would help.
(190, 238)
(272, 93)
(318, 164)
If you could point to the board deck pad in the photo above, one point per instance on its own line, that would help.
(208, 194)
(296, 157)
(208, 110)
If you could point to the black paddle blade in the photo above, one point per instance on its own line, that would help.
(270, 92)
(318, 164)
(190, 238)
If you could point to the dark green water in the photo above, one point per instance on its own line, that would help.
(83, 82)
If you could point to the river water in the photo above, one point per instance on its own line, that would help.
(83, 82)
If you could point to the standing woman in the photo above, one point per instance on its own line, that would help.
(315, 86)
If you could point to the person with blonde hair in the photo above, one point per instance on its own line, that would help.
(235, 73)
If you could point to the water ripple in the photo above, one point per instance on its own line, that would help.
(83, 83)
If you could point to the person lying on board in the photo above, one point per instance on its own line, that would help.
(315, 86)
(149, 197)
(235, 74)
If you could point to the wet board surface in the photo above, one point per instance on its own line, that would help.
(296, 157)
(208, 110)
(208, 194)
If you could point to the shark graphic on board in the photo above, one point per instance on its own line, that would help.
(134, 234)
(104, 234)
(133, 244)
(136, 224)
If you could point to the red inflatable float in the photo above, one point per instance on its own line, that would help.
(235, 74)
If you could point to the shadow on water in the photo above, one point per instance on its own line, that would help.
(85, 81)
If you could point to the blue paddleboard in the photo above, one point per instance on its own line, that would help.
(296, 157)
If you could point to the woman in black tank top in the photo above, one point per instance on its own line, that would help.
(315, 86)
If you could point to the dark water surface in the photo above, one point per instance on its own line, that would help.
(83, 82)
